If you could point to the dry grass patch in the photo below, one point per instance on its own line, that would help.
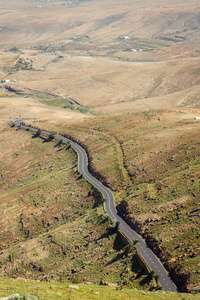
(54, 290)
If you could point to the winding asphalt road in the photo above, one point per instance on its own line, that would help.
(149, 257)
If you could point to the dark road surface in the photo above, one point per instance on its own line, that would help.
(149, 257)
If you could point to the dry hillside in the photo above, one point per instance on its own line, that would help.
(123, 79)
(115, 57)
(101, 84)
(151, 161)
(52, 224)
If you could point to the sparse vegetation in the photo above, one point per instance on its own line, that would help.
(14, 49)
(164, 169)
(144, 58)
(45, 213)
(54, 290)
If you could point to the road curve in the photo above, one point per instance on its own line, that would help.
(149, 257)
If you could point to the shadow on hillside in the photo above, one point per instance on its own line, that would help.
(45, 140)
(116, 258)
(144, 281)
(109, 232)
(118, 244)
(35, 136)
(136, 268)
(61, 145)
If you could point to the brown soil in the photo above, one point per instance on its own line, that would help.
(129, 61)
(151, 161)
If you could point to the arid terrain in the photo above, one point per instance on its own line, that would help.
(113, 57)
(52, 227)
(151, 161)
(123, 79)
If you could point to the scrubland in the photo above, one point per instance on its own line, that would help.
(151, 161)
(122, 79)
(52, 227)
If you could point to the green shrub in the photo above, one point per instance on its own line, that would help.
(51, 137)
(39, 132)
(60, 143)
